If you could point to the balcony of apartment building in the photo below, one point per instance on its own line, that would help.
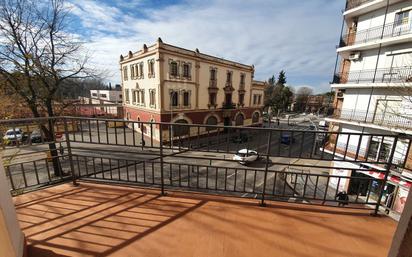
(387, 34)
(384, 76)
(379, 119)
(99, 190)
(350, 4)
(355, 8)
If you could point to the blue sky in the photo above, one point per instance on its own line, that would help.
(298, 36)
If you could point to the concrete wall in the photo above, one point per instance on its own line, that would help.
(11, 236)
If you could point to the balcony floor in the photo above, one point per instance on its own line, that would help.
(103, 220)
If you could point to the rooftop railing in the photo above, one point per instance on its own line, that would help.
(389, 30)
(385, 75)
(198, 158)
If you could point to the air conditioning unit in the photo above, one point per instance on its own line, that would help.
(355, 56)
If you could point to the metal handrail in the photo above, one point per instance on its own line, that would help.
(195, 138)
(388, 119)
(388, 30)
(384, 75)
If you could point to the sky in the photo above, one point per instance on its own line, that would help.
(297, 36)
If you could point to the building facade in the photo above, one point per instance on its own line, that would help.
(373, 82)
(165, 83)
(106, 103)
(113, 96)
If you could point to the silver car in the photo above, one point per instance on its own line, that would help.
(13, 135)
(245, 156)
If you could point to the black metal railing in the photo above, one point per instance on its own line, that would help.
(385, 75)
(387, 119)
(248, 182)
(350, 4)
(389, 30)
(199, 157)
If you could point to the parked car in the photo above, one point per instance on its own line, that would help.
(246, 156)
(36, 136)
(241, 138)
(312, 127)
(12, 136)
(287, 139)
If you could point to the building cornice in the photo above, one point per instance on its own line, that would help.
(182, 52)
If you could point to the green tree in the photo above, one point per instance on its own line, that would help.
(278, 94)
(281, 78)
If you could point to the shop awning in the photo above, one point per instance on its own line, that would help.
(391, 178)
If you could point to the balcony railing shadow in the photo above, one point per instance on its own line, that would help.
(96, 221)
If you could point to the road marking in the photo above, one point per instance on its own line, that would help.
(229, 176)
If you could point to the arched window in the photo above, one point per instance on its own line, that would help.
(239, 119)
(212, 120)
(181, 130)
(255, 117)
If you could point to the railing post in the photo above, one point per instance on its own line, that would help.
(161, 159)
(262, 203)
(69, 151)
(385, 179)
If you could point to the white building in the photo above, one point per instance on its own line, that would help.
(106, 103)
(113, 96)
(373, 85)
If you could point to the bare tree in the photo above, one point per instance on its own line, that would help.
(302, 97)
(37, 55)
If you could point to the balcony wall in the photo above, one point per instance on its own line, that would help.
(378, 118)
(372, 34)
(387, 107)
(376, 16)
(394, 65)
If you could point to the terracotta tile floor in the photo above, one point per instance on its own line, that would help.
(101, 220)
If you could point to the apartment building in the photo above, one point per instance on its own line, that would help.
(373, 82)
(106, 103)
(166, 83)
(113, 96)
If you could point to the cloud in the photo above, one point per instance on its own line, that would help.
(296, 36)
